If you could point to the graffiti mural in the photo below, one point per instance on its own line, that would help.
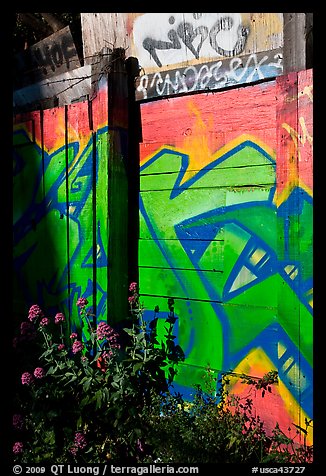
(213, 75)
(179, 34)
(60, 208)
(222, 207)
(200, 44)
(185, 52)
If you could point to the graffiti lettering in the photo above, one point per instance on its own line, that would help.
(53, 55)
(187, 33)
(226, 24)
(296, 137)
(221, 33)
(151, 45)
(210, 76)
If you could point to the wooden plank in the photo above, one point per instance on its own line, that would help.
(305, 235)
(176, 38)
(118, 189)
(294, 42)
(239, 177)
(162, 214)
(51, 56)
(206, 127)
(28, 195)
(181, 283)
(151, 252)
(185, 52)
(80, 187)
(288, 246)
(49, 258)
(65, 88)
(160, 209)
(104, 30)
(304, 135)
(101, 237)
(210, 76)
(244, 153)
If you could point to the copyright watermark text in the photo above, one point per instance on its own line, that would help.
(103, 469)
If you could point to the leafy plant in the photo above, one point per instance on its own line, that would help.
(109, 398)
(85, 399)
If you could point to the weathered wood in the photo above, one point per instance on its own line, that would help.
(80, 191)
(293, 184)
(182, 52)
(100, 30)
(118, 189)
(294, 51)
(210, 76)
(54, 55)
(99, 107)
(52, 250)
(150, 252)
(181, 36)
(181, 283)
(208, 126)
(65, 88)
(241, 176)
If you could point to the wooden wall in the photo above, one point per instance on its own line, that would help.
(71, 207)
(226, 230)
(185, 52)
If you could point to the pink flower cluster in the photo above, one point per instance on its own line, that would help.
(45, 322)
(80, 440)
(107, 354)
(105, 331)
(59, 317)
(133, 287)
(39, 372)
(27, 378)
(18, 447)
(77, 346)
(80, 443)
(61, 347)
(81, 302)
(34, 312)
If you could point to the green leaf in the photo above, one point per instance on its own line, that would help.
(87, 384)
(137, 367)
(85, 401)
(51, 370)
(140, 336)
(98, 396)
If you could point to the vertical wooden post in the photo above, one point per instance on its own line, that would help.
(294, 192)
(297, 48)
(134, 138)
(117, 187)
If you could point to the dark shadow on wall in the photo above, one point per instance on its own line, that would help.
(135, 137)
(39, 220)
